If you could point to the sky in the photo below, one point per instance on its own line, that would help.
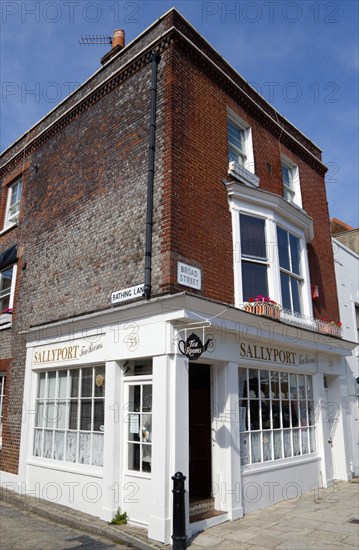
(302, 56)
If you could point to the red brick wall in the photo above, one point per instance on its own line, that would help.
(197, 224)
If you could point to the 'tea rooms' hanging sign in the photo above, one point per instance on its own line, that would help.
(193, 346)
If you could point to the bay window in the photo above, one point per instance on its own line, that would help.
(69, 421)
(290, 275)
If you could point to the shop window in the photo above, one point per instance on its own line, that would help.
(13, 203)
(2, 399)
(69, 423)
(276, 415)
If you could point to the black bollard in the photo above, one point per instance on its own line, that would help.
(179, 535)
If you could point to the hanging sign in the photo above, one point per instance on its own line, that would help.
(193, 347)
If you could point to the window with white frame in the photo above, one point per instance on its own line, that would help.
(254, 261)
(276, 415)
(138, 376)
(240, 147)
(69, 420)
(290, 270)
(291, 183)
(13, 203)
(2, 399)
(7, 288)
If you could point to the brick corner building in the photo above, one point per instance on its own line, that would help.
(168, 296)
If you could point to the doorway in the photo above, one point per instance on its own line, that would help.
(200, 458)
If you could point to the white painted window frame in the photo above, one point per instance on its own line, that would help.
(293, 189)
(2, 399)
(6, 318)
(247, 155)
(12, 219)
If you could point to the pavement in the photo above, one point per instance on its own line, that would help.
(322, 520)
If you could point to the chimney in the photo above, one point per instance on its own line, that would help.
(118, 38)
(118, 43)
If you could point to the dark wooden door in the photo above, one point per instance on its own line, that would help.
(200, 467)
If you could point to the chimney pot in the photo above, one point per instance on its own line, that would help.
(118, 38)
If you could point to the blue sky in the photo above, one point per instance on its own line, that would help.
(302, 56)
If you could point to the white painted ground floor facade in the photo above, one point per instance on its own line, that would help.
(113, 408)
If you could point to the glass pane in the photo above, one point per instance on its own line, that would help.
(134, 456)
(283, 248)
(295, 294)
(267, 446)
(134, 427)
(286, 175)
(235, 135)
(256, 447)
(51, 384)
(71, 443)
(242, 383)
(295, 413)
(134, 398)
(301, 386)
(73, 415)
(285, 414)
(86, 384)
(74, 383)
(244, 449)
(313, 444)
(309, 387)
(99, 416)
(147, 398)
(296, 445)
(287, 443)
(243, 416)
(62, 384)
(47, 444)
(253, 242)
(265, 384)
(39, 420)
(254, 411)
(42, 385)
(5, 280)
(276, 414)
(59, 446)
(37, 442)
(254, 280)
(146, 428)
(97, 449)
(305, 442)
(311, 413)
(85, 415)
(303, 413)
(293, 386)
(294, 251)
(61, 414)
(275, 391)
(277, 440)
(100, 382)
(84, 448)
(146, 458)
(284, 283)
(50, 415)
(253, 383)
(266, 414)
(284, 387)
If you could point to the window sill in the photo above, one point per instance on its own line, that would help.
(242, 174)
(7, 229)
(5, 321)
(248, 469)
(63, 466)
(141, 475)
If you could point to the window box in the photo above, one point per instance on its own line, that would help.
(5, 318)
(329, 328)
(263, 308)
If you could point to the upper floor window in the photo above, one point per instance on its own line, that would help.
(240, 147)
(291, 183)
(290, 272)
(13, 203)
(254, 260)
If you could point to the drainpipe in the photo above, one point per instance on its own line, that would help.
(155, 59)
